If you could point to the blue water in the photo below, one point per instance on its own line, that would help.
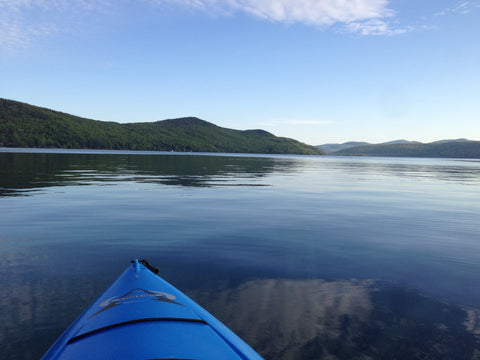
(378, 233)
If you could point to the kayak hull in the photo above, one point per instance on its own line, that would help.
(141, 316)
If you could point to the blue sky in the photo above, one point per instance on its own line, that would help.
(318, 71)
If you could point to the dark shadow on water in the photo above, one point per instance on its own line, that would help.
(22, 172)
(25, 172)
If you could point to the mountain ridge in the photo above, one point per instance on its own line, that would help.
(457, 148)
(24, 125)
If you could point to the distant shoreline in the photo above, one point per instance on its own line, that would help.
(460, 149)
(16, 150)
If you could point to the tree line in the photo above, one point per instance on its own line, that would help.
(23, 125)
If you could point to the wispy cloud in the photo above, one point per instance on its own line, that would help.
(374, 27)
(462, 8)
(48, 5)
(315, 12)
(24, 21)
(364, 17)
(16, 34)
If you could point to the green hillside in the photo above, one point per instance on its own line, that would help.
(445, 149)
(23, 125)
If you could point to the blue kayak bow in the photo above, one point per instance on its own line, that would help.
(141, 316)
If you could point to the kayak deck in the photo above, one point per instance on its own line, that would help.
(141, 316)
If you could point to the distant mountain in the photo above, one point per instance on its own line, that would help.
(399, 142)
(445, 149)
(331, 148)
(23, 125)
(450, 140)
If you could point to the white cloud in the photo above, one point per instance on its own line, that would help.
(24, 21)
(311, 12)
(362, 17)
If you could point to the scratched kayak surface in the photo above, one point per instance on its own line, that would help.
(141, 316)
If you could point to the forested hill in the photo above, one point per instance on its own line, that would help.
(23, 125)
(444, 149)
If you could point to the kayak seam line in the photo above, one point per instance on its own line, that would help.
(136, 321)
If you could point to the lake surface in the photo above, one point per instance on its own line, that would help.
(303, 257)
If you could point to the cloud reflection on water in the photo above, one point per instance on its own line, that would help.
(281, 318)
(347, 319)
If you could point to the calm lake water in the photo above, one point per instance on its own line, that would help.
(303, 257)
